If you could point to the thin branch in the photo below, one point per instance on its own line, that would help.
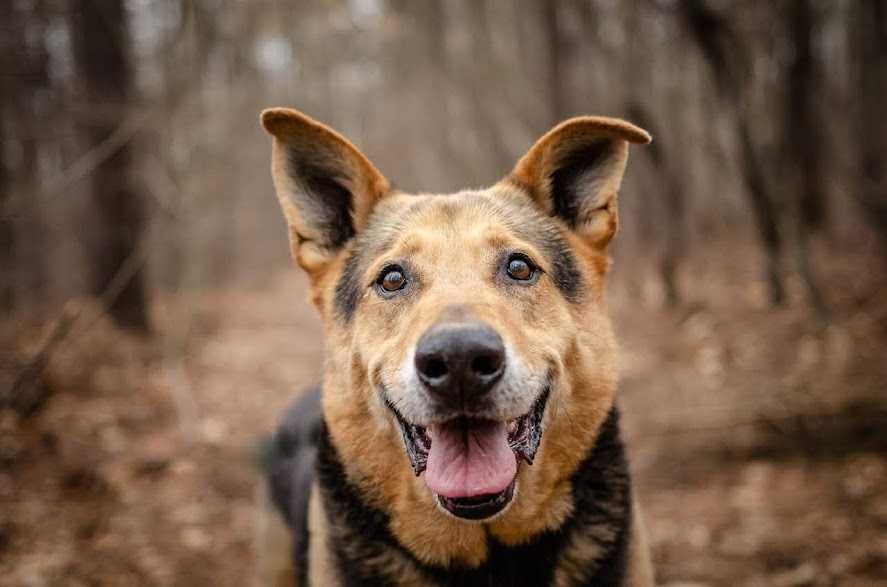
(21, 396)
(90, 160)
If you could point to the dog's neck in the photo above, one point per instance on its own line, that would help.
(594, 537)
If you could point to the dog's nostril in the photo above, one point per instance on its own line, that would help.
(455, 361)
(434, 368)
(486, 365)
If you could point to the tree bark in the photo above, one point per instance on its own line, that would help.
(25, 66)
(868, 34)
(7, 233)
(100, 38)
(556, 63)
(673, 192)
(729, 65)
(804, 144)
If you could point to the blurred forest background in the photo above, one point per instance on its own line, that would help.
(151, 330)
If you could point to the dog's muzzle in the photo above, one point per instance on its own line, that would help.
(470, 458)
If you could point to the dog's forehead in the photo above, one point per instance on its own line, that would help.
(457, 219)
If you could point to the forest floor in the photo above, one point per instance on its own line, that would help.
(757, 438)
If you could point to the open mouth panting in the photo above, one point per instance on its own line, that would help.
(470, 464)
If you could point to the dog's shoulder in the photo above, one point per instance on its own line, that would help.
(292, 454)
(291, 458)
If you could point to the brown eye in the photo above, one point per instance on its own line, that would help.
(392, 279)
(519, 268)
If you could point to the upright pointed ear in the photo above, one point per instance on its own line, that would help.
(574, 173)
(326, 186)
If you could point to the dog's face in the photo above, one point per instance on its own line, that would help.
(470, 358)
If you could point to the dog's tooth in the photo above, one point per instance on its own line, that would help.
(511, 426)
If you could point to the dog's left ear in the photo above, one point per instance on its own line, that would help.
(575, 170)
(326, 186)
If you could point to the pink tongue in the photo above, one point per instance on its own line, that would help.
(468, 460)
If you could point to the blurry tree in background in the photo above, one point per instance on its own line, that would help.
(867, 34)
(724, 50)
(804, 140)
(26, 103)
(747, 288)
(100, 37)
(132, 162)
(113, 111)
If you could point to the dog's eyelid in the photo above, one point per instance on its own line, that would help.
(375, 277)
(386, 267)
(528, 257)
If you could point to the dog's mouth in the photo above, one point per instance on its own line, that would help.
(470, 464)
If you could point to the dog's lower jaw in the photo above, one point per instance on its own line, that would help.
(479, 511)
(451, 551)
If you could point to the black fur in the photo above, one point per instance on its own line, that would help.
(566, 275)
(601, 490)
(348, 287)
(533, 226)
(546, 233)
(291, 469)
(565, 271)
(325, 201)
(567, 189)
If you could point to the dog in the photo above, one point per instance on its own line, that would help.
(466, 431)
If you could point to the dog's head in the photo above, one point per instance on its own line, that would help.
(470, 360)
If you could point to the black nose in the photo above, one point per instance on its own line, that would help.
(459, 362)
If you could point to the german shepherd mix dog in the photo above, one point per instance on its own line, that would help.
(466, 432)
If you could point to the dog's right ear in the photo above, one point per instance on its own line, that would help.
(326, 186)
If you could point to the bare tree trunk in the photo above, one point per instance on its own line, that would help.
(674, 203)
(25, 64)
(868, 24)
(804, 143)
(556, 57)
(729, 64)
(432, 21)
(661, 152)
(100, 37)
(764, 207)
(482, 77)
(7, 234)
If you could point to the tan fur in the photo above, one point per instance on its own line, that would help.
(321, 565)
(274, 545)
(572, 341)
(554, 330)
(291, 127)
(601, 220)
(640, 566)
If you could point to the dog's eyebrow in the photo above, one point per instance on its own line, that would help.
(376, 238)
(348, 287)
(543, 232)
(565, 271)
(531, 225)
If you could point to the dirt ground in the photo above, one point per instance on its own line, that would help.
(757, 439)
